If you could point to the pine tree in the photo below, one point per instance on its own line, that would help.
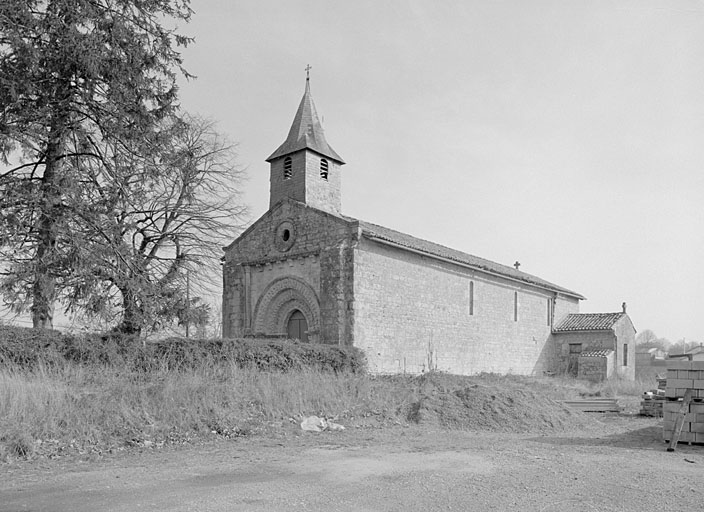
(76, 77)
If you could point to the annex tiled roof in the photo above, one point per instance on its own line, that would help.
(374, 231)
(597, 353)
(306, 132)
(589, 322)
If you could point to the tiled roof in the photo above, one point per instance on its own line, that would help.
(373, 231)
(589, 322)
(306, 132)
(597, 353)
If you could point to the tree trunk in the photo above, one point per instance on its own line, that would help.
(131, 314)
(44, 286)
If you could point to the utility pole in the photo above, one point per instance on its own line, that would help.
(188, 300)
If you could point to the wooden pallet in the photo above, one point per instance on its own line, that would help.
(594, 405)
(651, 408)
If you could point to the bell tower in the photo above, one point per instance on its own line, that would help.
(305, 167)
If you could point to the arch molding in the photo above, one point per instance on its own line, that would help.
(279, 300)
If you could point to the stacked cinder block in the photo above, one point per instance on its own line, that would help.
(683, 375)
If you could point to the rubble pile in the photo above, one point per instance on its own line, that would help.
(651, 405)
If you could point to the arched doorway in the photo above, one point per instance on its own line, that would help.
(297, 328)
(275, 309)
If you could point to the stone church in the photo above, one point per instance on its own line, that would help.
(306, 271)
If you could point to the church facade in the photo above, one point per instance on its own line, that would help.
(304, 270)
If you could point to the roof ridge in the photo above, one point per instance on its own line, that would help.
(449, 253)
(614, 313)
(589, 321)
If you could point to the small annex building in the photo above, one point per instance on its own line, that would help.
(306, 271)
(597, 346)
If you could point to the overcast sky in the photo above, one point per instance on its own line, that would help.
(567, 135)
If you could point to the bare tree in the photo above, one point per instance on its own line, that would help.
(143, 225)
(648, 339)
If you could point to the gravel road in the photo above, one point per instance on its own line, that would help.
(620, 465)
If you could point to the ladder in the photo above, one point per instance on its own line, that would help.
(681, 413)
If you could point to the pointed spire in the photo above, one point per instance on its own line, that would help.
(306, 131)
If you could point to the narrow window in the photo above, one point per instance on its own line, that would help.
(288, 172)
(324, 169)
(625, 354)
(471, 297)
(515, 306)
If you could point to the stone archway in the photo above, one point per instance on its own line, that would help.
(279, 300)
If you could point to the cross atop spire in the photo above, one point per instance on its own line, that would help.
(308, 68)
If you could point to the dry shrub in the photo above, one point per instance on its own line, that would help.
(621, 387)
(29, 348)
(16, 444)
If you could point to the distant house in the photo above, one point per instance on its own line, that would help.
(597, 346)
(647, 357)
(657, 353)
(696, 354)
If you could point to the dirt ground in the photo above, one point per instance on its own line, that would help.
(617, 462)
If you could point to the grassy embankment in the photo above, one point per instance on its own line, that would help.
(84, 401)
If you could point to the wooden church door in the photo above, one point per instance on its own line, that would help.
(297, 326)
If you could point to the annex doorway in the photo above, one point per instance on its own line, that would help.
(297, 328)
(573, 361)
